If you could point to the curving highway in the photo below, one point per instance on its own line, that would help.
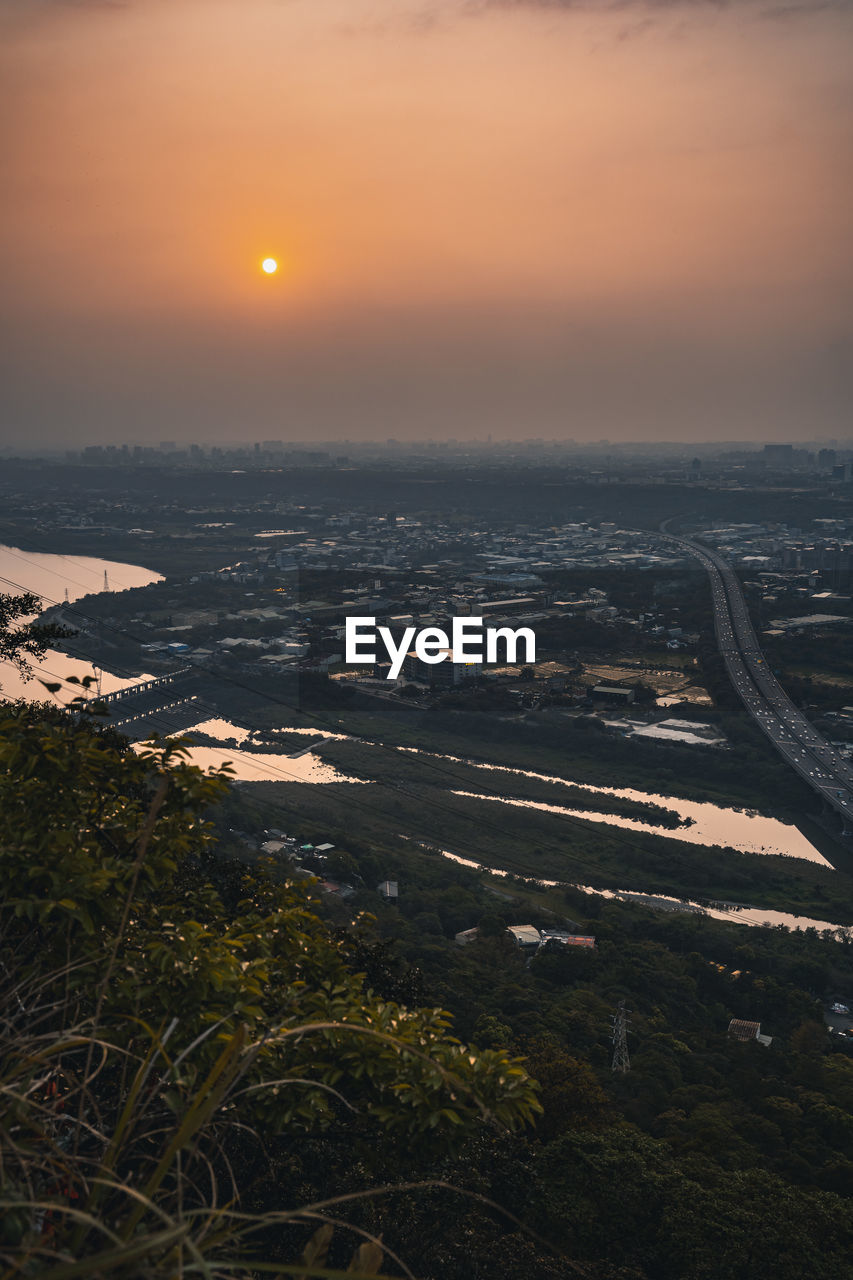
(793, 736)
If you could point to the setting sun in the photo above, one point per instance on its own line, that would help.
(270, 266)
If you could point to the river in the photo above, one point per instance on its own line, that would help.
(745, 830)
(50, 576)
(733, 913)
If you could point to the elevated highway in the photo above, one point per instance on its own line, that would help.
(795, 738)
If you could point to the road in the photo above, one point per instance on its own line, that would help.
(794, 737)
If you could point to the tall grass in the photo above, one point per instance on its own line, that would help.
(113, 1164)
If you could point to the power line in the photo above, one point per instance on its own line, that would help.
(65, 577)
(427, 762)
(621, 1062)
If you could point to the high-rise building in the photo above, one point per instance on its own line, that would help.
(778, 454)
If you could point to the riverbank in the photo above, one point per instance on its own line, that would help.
(57, 578)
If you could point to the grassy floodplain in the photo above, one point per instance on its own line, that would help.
(552, 742)
(412, 796)
(535, 844)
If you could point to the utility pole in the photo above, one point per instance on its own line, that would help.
(621, 1025)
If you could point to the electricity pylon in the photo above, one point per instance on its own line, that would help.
(621, 1061)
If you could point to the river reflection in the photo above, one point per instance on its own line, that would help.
(260, 766)
(709, 824)
(747, 832)
(50, 576)
(757, 917)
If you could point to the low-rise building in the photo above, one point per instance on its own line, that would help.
(557, 937)
(525, 936)
(465, 936)
(613, 693)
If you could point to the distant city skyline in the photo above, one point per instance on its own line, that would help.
(530, 219)
(814, 455)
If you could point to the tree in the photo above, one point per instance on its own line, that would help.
(570, 1094)
(492, 925)
(19, 644)
(145, 1022)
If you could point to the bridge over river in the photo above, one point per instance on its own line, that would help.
(165, 704)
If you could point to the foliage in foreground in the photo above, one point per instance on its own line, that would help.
(162, 1015)
(21, 638)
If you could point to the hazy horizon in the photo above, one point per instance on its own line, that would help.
(516, 219)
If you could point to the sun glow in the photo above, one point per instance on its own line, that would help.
(270, 266)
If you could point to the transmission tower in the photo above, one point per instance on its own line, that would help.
(621, 1025)
(106, 581)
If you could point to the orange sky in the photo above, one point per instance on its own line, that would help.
(523, 218)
